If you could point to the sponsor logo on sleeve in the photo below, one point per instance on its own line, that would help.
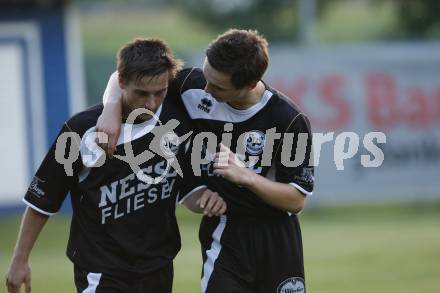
(306, 175)
(35, 187)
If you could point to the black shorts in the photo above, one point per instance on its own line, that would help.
(158, 281)
(252, 255)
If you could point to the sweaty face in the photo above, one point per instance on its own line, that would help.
(219, 85)
(149, 93)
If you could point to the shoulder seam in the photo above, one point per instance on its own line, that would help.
(78, 143)
(186, 78)
(286, 99)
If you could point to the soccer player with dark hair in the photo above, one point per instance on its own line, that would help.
(124, 234)
(256, 246)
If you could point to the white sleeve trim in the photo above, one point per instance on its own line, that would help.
(37, 209)
(191, 192)
(297, 214)
(300, 189)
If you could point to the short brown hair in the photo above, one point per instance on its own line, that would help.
(242, 53)
(146, 57)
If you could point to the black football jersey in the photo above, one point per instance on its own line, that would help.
(120, 225)
(251, 133)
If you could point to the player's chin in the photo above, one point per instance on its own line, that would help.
(143, 117)
(147, 111)
(144, 110)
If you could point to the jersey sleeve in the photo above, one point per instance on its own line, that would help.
(53, 180)
(188, 78)
(190, 182)
(294, 168)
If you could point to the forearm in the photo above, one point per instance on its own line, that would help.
(280, 195)
(109, 121)
(191, 202)
(112, 93)
(31, 226)
(207, 202)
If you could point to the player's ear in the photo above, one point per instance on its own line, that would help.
(122, 82)
(251, 85)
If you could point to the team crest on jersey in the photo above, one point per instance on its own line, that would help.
(254, 142)
(169, 144)
(205, 105)
(35, 187)
(292, 285)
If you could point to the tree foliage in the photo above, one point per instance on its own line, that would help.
(41, 3)
(276, 19)
(418, 18)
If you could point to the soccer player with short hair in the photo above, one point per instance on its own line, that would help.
(124, 234)
(256, 246)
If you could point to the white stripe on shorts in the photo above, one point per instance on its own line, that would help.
(93, 280)
(213, 253)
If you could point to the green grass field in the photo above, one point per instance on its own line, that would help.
(353, 249)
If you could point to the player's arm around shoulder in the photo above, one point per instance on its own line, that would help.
(19, 271)
(109, 121)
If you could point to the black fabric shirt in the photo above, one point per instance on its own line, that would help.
(120, 225)
(274, 111)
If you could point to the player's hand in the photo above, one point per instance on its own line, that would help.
(110, 123)
(19, 273)
(211, 203)
(229, 166)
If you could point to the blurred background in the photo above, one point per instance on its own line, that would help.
(356, 66)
